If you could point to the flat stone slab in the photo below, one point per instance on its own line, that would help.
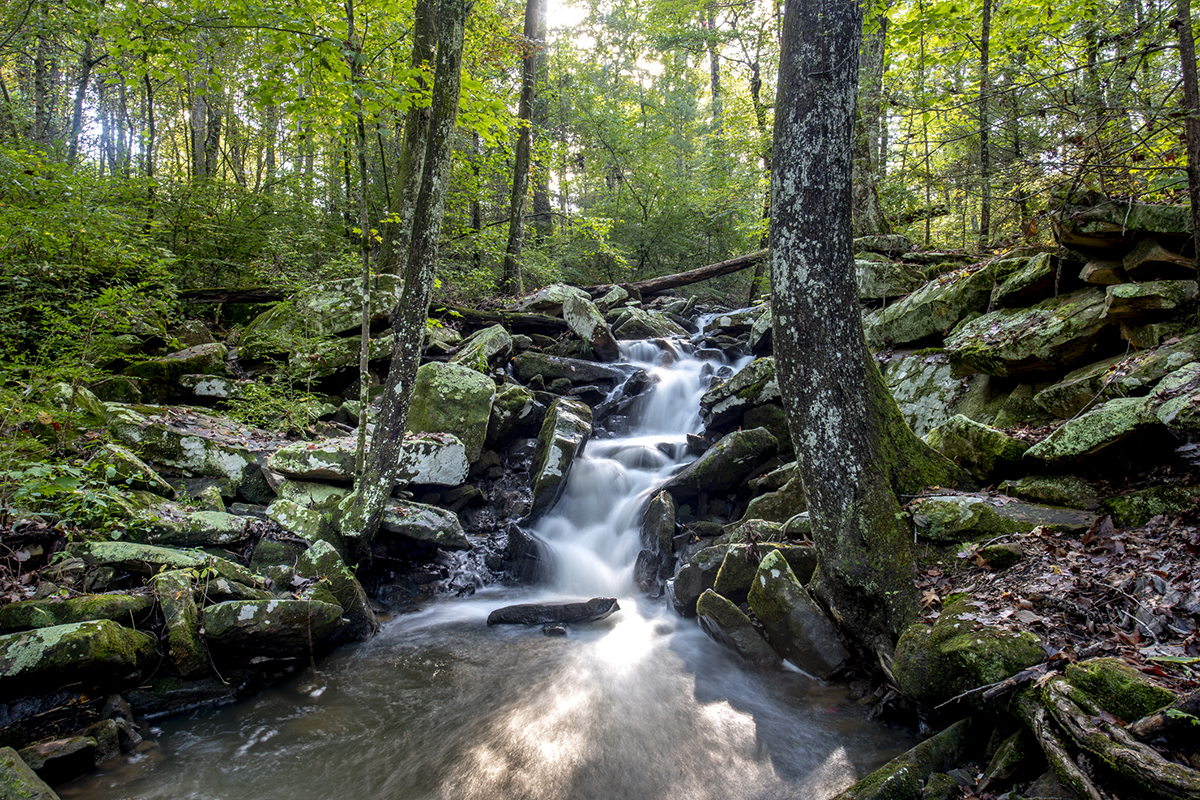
(96, 654)
(561, 613)
(439, 459)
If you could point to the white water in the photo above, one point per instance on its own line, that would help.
(639, 706)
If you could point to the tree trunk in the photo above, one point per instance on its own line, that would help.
(512, 282)
(1191, 107)
(86, 62)
(272, 124)
(868, 217)
(363, 510)
(851, 443)
(41, 114)
(543, 214)
(714, 80)
(985, 122)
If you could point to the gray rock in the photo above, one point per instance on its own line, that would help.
(439, 459)
(429, 525)
(586, 322)
(174, 527)
(149, 559)
(1100, 222)
(173, 590)
(514, 411)
(1147, 302)
(884, 280)
(98, 653)
(563, 436)
(726, 465)
(726, 624)
(1029, 280)
(322, 561)
(694, 577)
(593, 610)
(658, 524)
(981, 449)
(798, 628)
(578, 371)
(484, 347)
(891, 244)
(934, 310)
(753, 385)
(450, 397)
(644, 323)
(549, 299)
(269, 628)
(24, 615)
(129, 470)
(1095, 432)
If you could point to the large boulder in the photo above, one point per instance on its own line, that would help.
(740, 565)
(926, 388)
(129, 470)
(884, 280)
(693, 578)
(798, 628)
(321, 561)
(780, 505)
(934, 310)
(126, 609)
(514, 411)
(753, 385)
(1093, 433)
(963, 517)
(549, 299)
(439, 459)
(1175, 400)
(528, 364)
(586, 322)
(450, 397)
(1147, 302)
(593, 610)
(484, 347)
(1096, 221)
(726, 464)
(729, 625)
(269, 628)
(174, 526)
(1055, 333)
(1028, 280)
(158, 378)
(563, 436)
(97, 654)
(934, 663)
(429, 525)
(644, 323)
(982, 450)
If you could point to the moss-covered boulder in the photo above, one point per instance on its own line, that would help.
(881, 279)
(925, 388)
(484, 347)
(514, 411)
(450, 397)
(564, 434)
(751, 386)
(586, 322)
(311, 494)
(1053, 334)
(1136, 508)
(94, 654)
(172, 526)
(799, 629)
(693, 578)
(780, 505)
(1147, 302)
(738, 568)
(982, 450)
(761, 342)
(159, 378)
(726, 464)
(127, 609)
(1118, 688)
(957, 653)
(148, 559)
(322, 562)
(1175, 400)
(321, 358)
(127, 469)
(269, 628)
(1057, 490)
(1096, 221)
(174, 592)
(658, 524)
(18, 781)
(904, 777)
(549, 299)
(429, 525)
(310, 524)
(439, 459)
(1094, 433)
(1028, 280)
(729, 626)
(644, 323)
(958, 518)
(934, 309)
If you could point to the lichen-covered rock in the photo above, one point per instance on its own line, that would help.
(579, 372)
(884, 280)
(644, 323)
(780, 505)
(149, 559)
(96, 654)
(928, 392)
(129, 470)
(182, 617)
(127, 609)
(324, 357)
(484, 347)
(1057, 490)
(57, 761)
(958, 653)
(311, 494)
(734, 323)
(979, 448)
(798, 628)
(450, 397)
(1136, 508)
(1149, 260)
(159, 377)
(311, 524)
(1080, 389)
(761, 342)
(1145, 302)
(1175, 400)
(1100, 222)
(321, 561)
(586, 322)
(1093, 433)
(727, 625)
(1029, 279)
(738, 568)
(269, 628)
(432, 526)
(18, 781)
(514, 410)
(1052, 334)
(934, 309)
(175, 527)
(957, 518)
(613, 298)
(726, 464)
(563, 436)
(753, 385)
(1118, 688)
(439, 459)
(890, 244)
(326, 309)
(549, 299)
(693, 578)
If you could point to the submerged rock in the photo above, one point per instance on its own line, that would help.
(558, 613)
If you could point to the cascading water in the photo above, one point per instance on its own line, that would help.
(640, 705)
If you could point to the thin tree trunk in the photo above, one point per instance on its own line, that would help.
(41, 116)
(1191, 107)
(86, 62)
(272, 125)
(512, 282)
(543, 214)
(985, 122)
(714, 80)
(868, 218)
(364, 509)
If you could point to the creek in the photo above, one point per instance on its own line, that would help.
(639, 705)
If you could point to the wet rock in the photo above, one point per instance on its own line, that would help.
(644, 323)
(525, 558)
(798, 628)
(127, 609)
(173, 590)
(166, 697)
(578, 371)
(514, 412)
(18, 781)
(658, 524)
(484, 347)
(725, 623)
(1145, 302)
(726, 465)
(432, 526)
(958, 653)
(322, 562)
(1090, 435)
(1053, 334)
(149, 559)
(450, 397)
(906, 775)
(557, 613)
(979, 448)
(269, 628)
(933, 310)
(439, 459)
(693, 578)
(94, 654)
(738, 568)
(753, 385)
(563, 436)
(586, 322)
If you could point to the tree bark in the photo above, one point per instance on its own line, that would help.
(852, 446)
(1191, 107)
(86, 62)
(363, 509)
(985, 123)
(868, 218)
(512, 282)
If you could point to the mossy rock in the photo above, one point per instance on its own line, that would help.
(934, 309)
(18, 781)
(182, 618)
(738, 568)
(453, 398)
(514, 411)
(96, 654)
(957, 653)
(752, 385)
(563, 436)
(978, 448)
(1058, 490)
(149, 559)
(901, 778)
(959, 518)
(1137, 508)
(796, 624)
(269, 628)
(693, 578)
(726, 624)
(725, 465)
(127, 609)
(779, 505)
(1094, 433)
(484, 347)
(323, 562)
(1118, 688)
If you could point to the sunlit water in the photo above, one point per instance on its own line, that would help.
(640, 705)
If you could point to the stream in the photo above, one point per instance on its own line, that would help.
(639, 705)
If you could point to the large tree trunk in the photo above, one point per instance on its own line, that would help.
(363, 510)
(512, 282)
(852, 446)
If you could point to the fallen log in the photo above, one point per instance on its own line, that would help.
(257, 295)
(1055, 749)
(515, 321)
(707, 272)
